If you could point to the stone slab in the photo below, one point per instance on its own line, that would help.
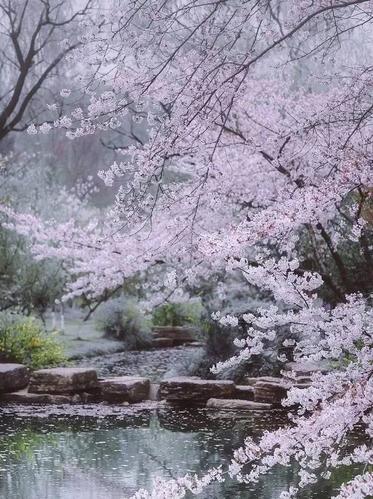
(269, 392)
(307, 368)
(13, 377)
(244, 392)
(174, 332)
(251, 381)
(189, 389)
(233, 404)
(124, 389)
(63, 380)
(24, 397)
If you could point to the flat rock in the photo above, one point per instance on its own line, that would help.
(270, 392)
(24, 397)
(63, 380)
(124, 389)
(303, 379)
(248, 380)
(177, 333)
(170, 336)
(13, 377)
(244, 392)
(307, 368)
(272, 379)
(232, 404)
(181, 389)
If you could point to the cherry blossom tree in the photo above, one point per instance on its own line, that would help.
(257, 159)
(36, 37)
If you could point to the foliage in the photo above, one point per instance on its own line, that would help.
(220, 347)
(26, 284)
(178, 314)
(124, 320)
(22, 339)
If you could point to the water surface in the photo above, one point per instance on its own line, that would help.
(86, 457)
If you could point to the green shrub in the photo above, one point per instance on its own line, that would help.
(123, 319)
(22, 339)
(178, 314)
(28, 285)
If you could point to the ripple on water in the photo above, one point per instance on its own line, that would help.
(88, 457)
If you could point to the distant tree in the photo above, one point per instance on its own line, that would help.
(35, 38)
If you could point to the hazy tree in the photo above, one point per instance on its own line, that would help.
(35, 37)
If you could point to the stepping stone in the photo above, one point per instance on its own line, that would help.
(232, 404)
(303, 379)
(270, 392)
(24, 397)
(124, 389)
(307, 368)
(171, 336)
(244, 392)
(177, 333)
(302, 385)
(302, 382)
(272, 379)
(183, 389)
(63, 380)
(248, 380)
(13, 377)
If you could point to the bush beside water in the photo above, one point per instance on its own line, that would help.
(23, 339)
(124, 320)
(178, 314)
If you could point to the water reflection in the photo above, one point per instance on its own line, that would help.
(90, 458)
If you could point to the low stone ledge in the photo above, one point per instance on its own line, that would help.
(178, 333)
(189, 389)
(124, 389)
(251, 381)
(63, 380)
(232, 404)
(13, 377)
(171, 336)
(244, 392)
(269, 392)
(196, 344)
(25, 397)
(302, 386)
(307, 367)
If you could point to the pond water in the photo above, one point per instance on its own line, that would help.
(61, 456)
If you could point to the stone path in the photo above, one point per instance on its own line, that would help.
(84, 385)
(79, 385)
